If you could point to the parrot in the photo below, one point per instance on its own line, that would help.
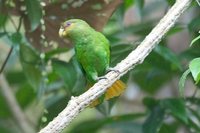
(92, 50)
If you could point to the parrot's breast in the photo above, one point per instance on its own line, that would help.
(94, 56)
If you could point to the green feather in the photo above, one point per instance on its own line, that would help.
(91, 47)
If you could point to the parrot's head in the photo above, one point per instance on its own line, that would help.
(72, 27)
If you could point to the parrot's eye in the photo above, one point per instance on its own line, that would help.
(68, 24)
(65, 25)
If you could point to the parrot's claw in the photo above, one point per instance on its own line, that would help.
(112, 69)
(107, 71)
(101, 77)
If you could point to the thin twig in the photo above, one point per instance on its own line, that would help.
(77, 104)
(20, 24)
(14, 106)
(6, 60)
(13, 22)
(11, 49)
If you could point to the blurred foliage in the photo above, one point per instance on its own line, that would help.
(49, 74)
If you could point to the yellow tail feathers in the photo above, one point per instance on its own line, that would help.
(115, 90)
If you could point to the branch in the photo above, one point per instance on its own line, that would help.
(6, 60)
(14, 106)
(77, 104)
(12, 47)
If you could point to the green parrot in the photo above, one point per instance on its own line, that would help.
(92, 50)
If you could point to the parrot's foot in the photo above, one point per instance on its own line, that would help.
(101, 77)
(112, 69)
(107, 71)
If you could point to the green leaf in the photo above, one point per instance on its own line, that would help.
(120, 49)
(25, 95)
(150, 102)
(16, 38)
(6, 129)
(55, 104)
(194, 119)
(157, 67)
(195, 113)
(28, 55)
(191, 53)
(93, 125)
(34, 12)
(194, 125)
(3, 19)
(119, 52)
(51, 100)
(175, 29)
(147, 77)
(111, 103)
(193, 100)
(4, 111)
(171, 2)
(125, 127)
(140, 5)
(80, 84)
(168, 55)
(154, 122)
(15, 77)
(66, 71)
(30, 62)
(140, 29)
(70, 74)
(176, 107)
(2, 34)
(194, 24)
(172, 128)
(128, 3)
(194, 40)
(104, 107)
(34, 76)
(182, 82)
(53, 52)
(194, 67)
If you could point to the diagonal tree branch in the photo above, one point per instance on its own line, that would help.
(14, 106)
(77, 104)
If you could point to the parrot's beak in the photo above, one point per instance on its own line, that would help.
(62, 32)
(65, 30)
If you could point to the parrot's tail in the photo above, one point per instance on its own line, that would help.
(115, 90)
